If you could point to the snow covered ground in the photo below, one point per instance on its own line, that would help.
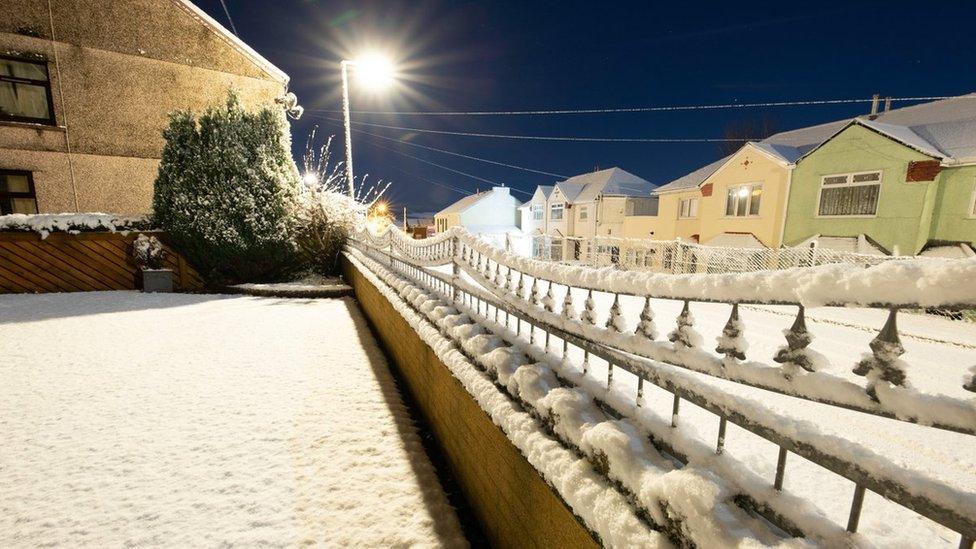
(187, 420)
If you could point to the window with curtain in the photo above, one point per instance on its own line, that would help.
(25, 91)
(556, 211)
(850, 194)
(743, 200)
(688, 208)
(17, 193)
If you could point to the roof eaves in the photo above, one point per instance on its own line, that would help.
(232, 40)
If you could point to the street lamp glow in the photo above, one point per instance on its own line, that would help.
(310, 179)
(374, 71)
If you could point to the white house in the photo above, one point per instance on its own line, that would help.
(489, 212)
(587, 205)
(533, 212)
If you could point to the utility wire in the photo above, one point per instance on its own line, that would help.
(227, 13)
(513, 166)
(417, 158)
(560, 138)
(717, 106)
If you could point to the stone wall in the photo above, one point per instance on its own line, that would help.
(514, 505)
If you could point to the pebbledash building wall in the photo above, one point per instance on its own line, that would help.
(86, 87)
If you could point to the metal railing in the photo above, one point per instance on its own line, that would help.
(526, 290)
(677, 257)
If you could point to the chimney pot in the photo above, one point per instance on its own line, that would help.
(874, 106)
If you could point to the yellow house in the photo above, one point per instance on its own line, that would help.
(740, 200)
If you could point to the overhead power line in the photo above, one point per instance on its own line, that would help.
(417, 158)
(559, 138)
(231, 21)
(609, 110)
(452, 153)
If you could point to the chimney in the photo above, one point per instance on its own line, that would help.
(887, 106)
(874, 106)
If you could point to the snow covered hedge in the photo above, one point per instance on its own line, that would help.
(226, 191)
(44, 224)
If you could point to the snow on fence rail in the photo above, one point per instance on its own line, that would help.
(523, 289)
(677, 257)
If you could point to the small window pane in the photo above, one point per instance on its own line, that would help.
(23, 100)
(12, 183)
(835, 180)
(755, 200)
(864, 177)
(740, 204)
(694, 208)
(730, 202)
(24, 205)
(22, 69)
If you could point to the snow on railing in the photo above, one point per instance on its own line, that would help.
(523, 289)
(678, 257)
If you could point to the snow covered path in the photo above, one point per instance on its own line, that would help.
(182, 420)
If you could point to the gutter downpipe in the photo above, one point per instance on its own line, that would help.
(64, 105)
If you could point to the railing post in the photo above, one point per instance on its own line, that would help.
(455, 267)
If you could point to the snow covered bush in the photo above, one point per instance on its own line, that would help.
(148, 252)
(226, 191)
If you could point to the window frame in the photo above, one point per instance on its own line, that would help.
(583, 214)
(7, 195)
(46, 84)
(752, 189)
(538, 212)
(689, 200)
(850, 183)
(562, 211)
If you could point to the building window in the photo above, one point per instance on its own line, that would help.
(688, 208)
(25, 91)
(537, 212)
(556, 211)
(582, 212)
(850, 194)
(743, 200)
(556, 249)
(17, 193)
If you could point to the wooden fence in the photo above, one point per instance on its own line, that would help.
(82, 262)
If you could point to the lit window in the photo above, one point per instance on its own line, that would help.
(850, 194)
(556, 211)
(688, 208)
(743, 200)
(25, 91)
(17, 193)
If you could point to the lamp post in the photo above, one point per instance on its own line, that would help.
(375, 72)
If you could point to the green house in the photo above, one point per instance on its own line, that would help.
(903, 181)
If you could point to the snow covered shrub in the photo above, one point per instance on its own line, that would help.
(148, 253)
(325, 213)
(226, 191)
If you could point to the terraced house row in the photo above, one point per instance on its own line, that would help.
(899, 181)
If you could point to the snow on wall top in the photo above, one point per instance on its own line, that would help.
(73, 222)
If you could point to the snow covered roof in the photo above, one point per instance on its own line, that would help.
(854, 244)
(464, 203)
(546, 190)
(943, 129)
(951, 251)
(473, 199)
(735, 240)
(233, 40)
(609, 182)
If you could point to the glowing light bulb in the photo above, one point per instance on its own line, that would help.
(374, 71)
(310, 179)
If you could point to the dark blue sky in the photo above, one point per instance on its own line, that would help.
(523, 55)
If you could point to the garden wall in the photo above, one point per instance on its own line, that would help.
(511, 501)
(82, 262)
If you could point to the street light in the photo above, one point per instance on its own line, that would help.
(374, 72)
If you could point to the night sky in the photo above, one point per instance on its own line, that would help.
(524, 55)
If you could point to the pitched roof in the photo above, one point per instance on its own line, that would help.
(612, 181)
(944, 129)
(464, 203)
(232, 39)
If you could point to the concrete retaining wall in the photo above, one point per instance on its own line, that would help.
(514, 505)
